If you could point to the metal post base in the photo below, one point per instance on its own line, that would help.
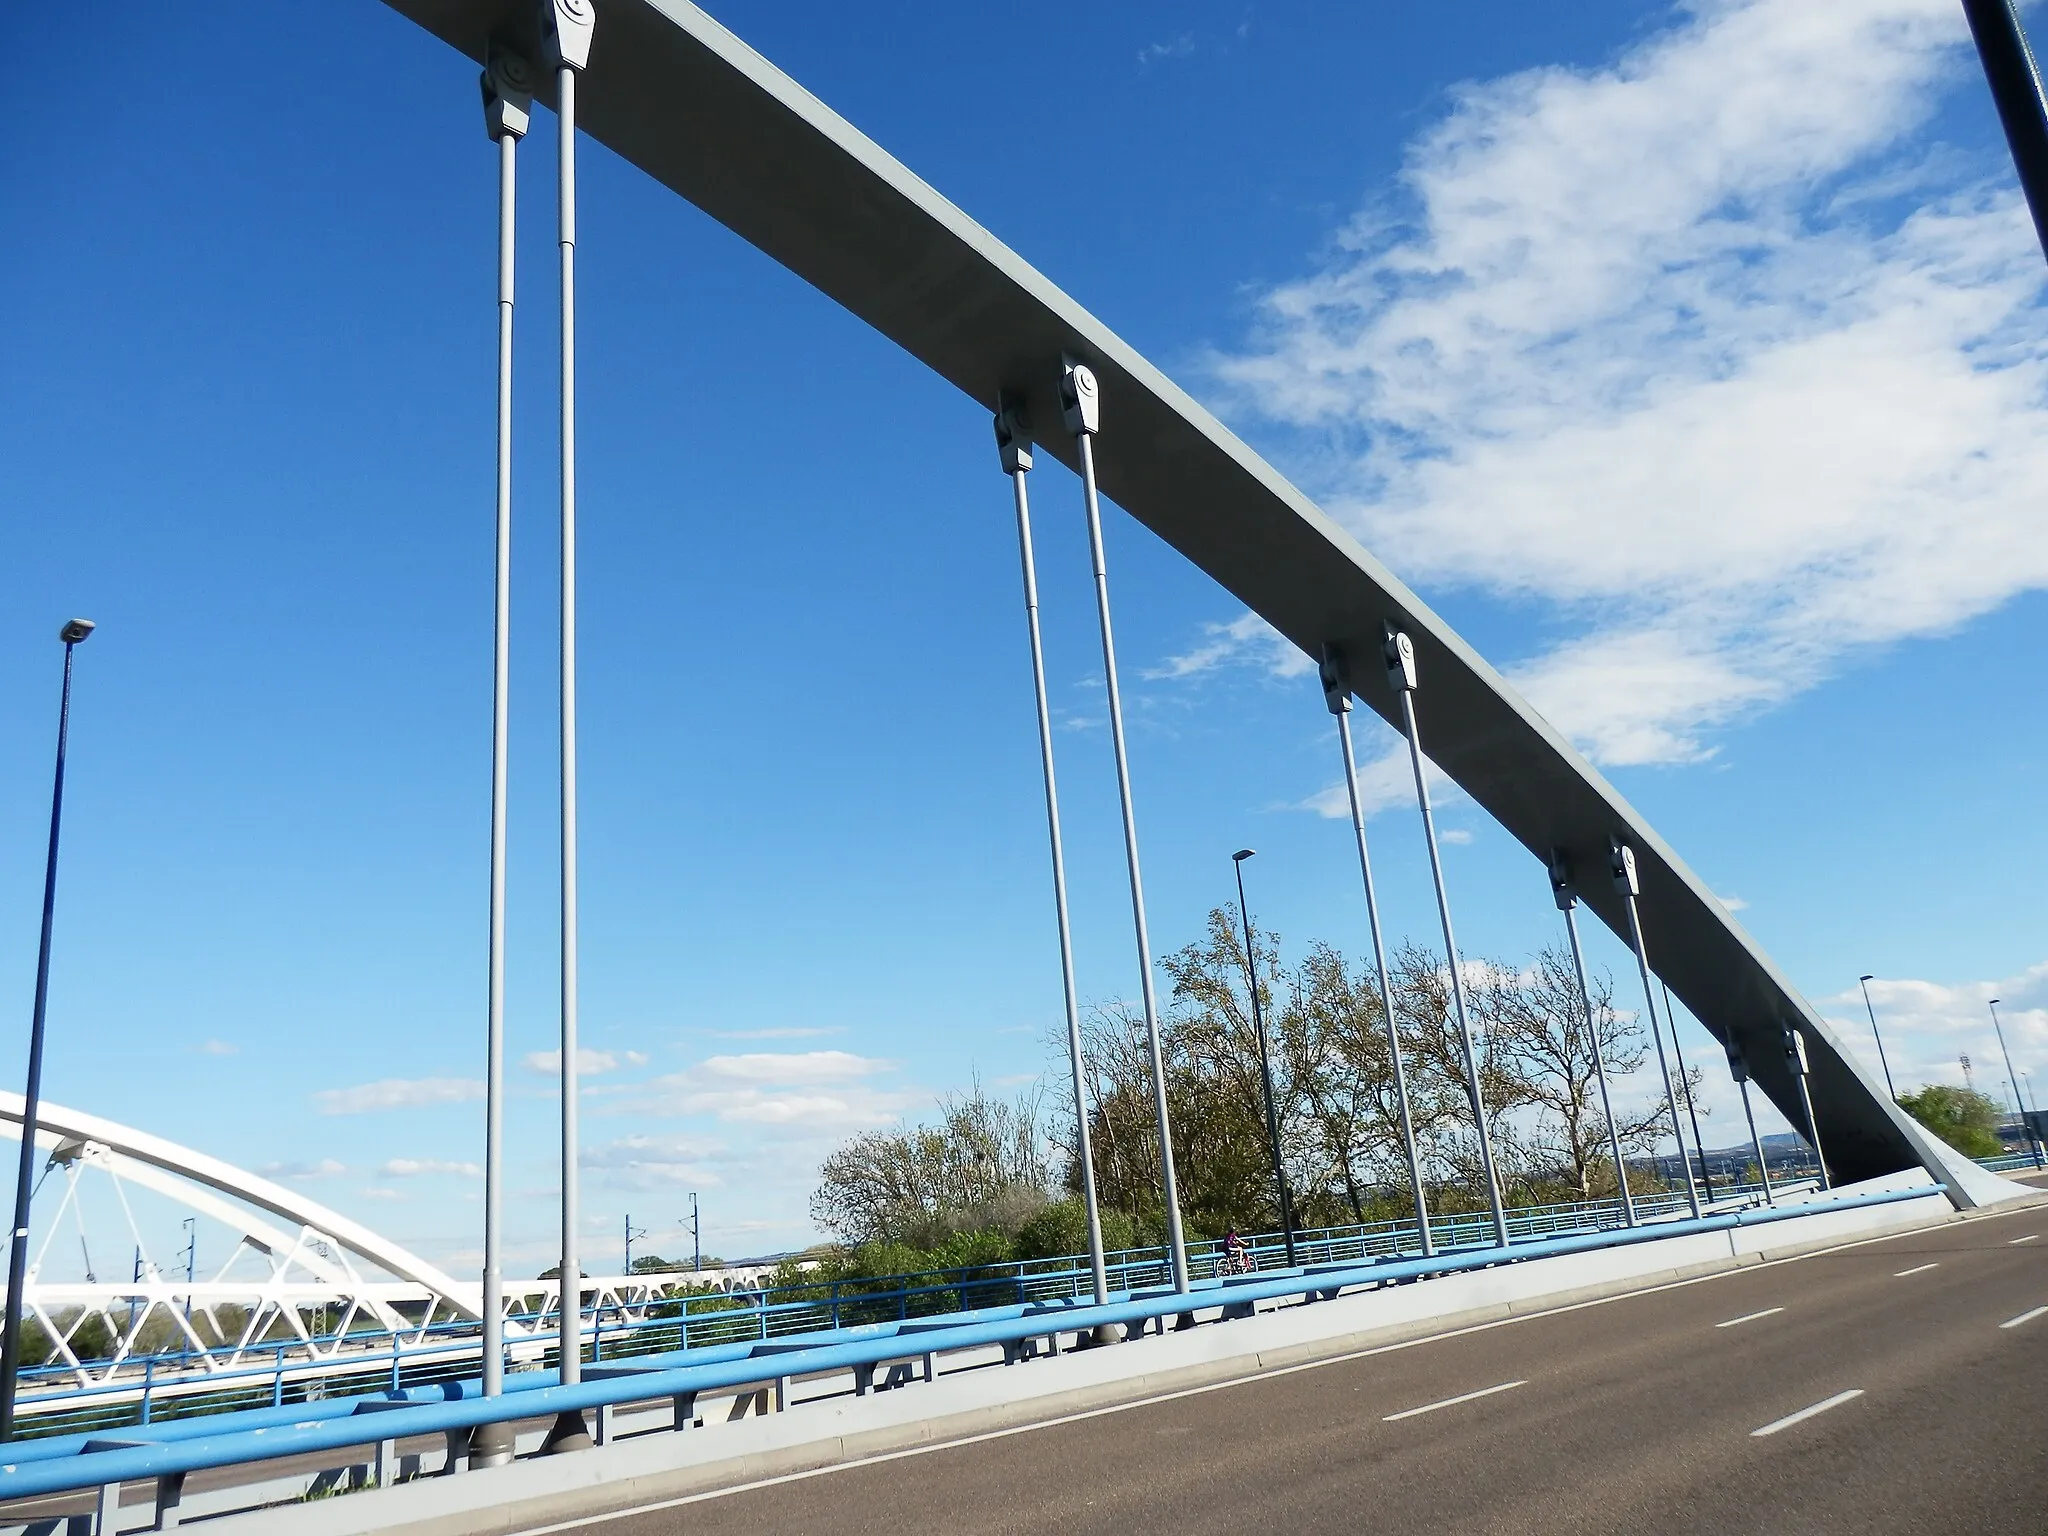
(568, 1433)
(491, 1445)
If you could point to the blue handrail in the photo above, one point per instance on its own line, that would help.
(32, 1475)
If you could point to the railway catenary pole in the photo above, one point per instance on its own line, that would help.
(566, 27)
(1738, 1068)
(73, 635)
(1622, 865)
(1336, 681)
(1013, 443)
(1400, 659)
(1081, 410)
(508, 100)
(1566, 895)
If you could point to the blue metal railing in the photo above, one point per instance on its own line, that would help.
(62, 1465)
(156, 1387)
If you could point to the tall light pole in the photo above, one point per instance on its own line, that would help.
(1251, 972)
(2012, 1078)
(1864, 982)
(73, 634)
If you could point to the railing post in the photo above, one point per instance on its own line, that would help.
(148, 1380)
(277, 1379)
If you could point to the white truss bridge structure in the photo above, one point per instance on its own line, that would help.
(302, 1292)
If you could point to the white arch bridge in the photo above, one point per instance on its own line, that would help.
(293, 1295)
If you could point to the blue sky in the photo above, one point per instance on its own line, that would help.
(1690, 360)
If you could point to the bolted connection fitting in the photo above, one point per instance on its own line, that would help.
(507, 83)
(1738, 1069)
(1622, 865)
(1013, 441)
(1561, 880)
(1080, 398)
(565, 30)
(1336, 680)
(1795, 1052)
(1400, 654)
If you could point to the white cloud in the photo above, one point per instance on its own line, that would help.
(415, 1167)
(1174, 48)
(657, 1162)
(218, 1048)
(788, 1068)
(589, 1063)
(785, 1032)
(1707, 352)
(1456, 836)
(398, 1093)
(325, 1168)
(379, 1194)
(1247, 640)
(816, 1091)
(1929, 1025)
(1732, 903)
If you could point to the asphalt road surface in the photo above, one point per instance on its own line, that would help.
(1897, 1386)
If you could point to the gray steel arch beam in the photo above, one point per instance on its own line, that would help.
(682, 98)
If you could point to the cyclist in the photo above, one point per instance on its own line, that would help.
(1237, 1254)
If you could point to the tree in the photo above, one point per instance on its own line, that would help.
(1539, 1020)
(985, 1164)
(1965, 1119)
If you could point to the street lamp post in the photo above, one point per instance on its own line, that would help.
(2012, 1078)
(1864, 982)
(1251, 971)
(72, 634)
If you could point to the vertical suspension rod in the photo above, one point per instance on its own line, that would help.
(1400, 656)
(507, 88)
(1016, 455)
(1079, 396)
(1628, 886)
(1337, 694)
(1692, 1112)
(1568, 903)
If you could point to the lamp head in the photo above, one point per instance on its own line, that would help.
(1871, 977)
(75, 630)
(1242, 854)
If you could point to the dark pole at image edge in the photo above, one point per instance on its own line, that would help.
(2015, 82)
(24, 1183)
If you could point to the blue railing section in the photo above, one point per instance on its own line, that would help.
(145, 1388)
(65, 1464)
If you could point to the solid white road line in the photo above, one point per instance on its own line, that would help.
(2027, 1239)
(2024, 1317)
(1918, 1269)
(1806, 1413)
(1452, 1402)
(1750, 1317)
